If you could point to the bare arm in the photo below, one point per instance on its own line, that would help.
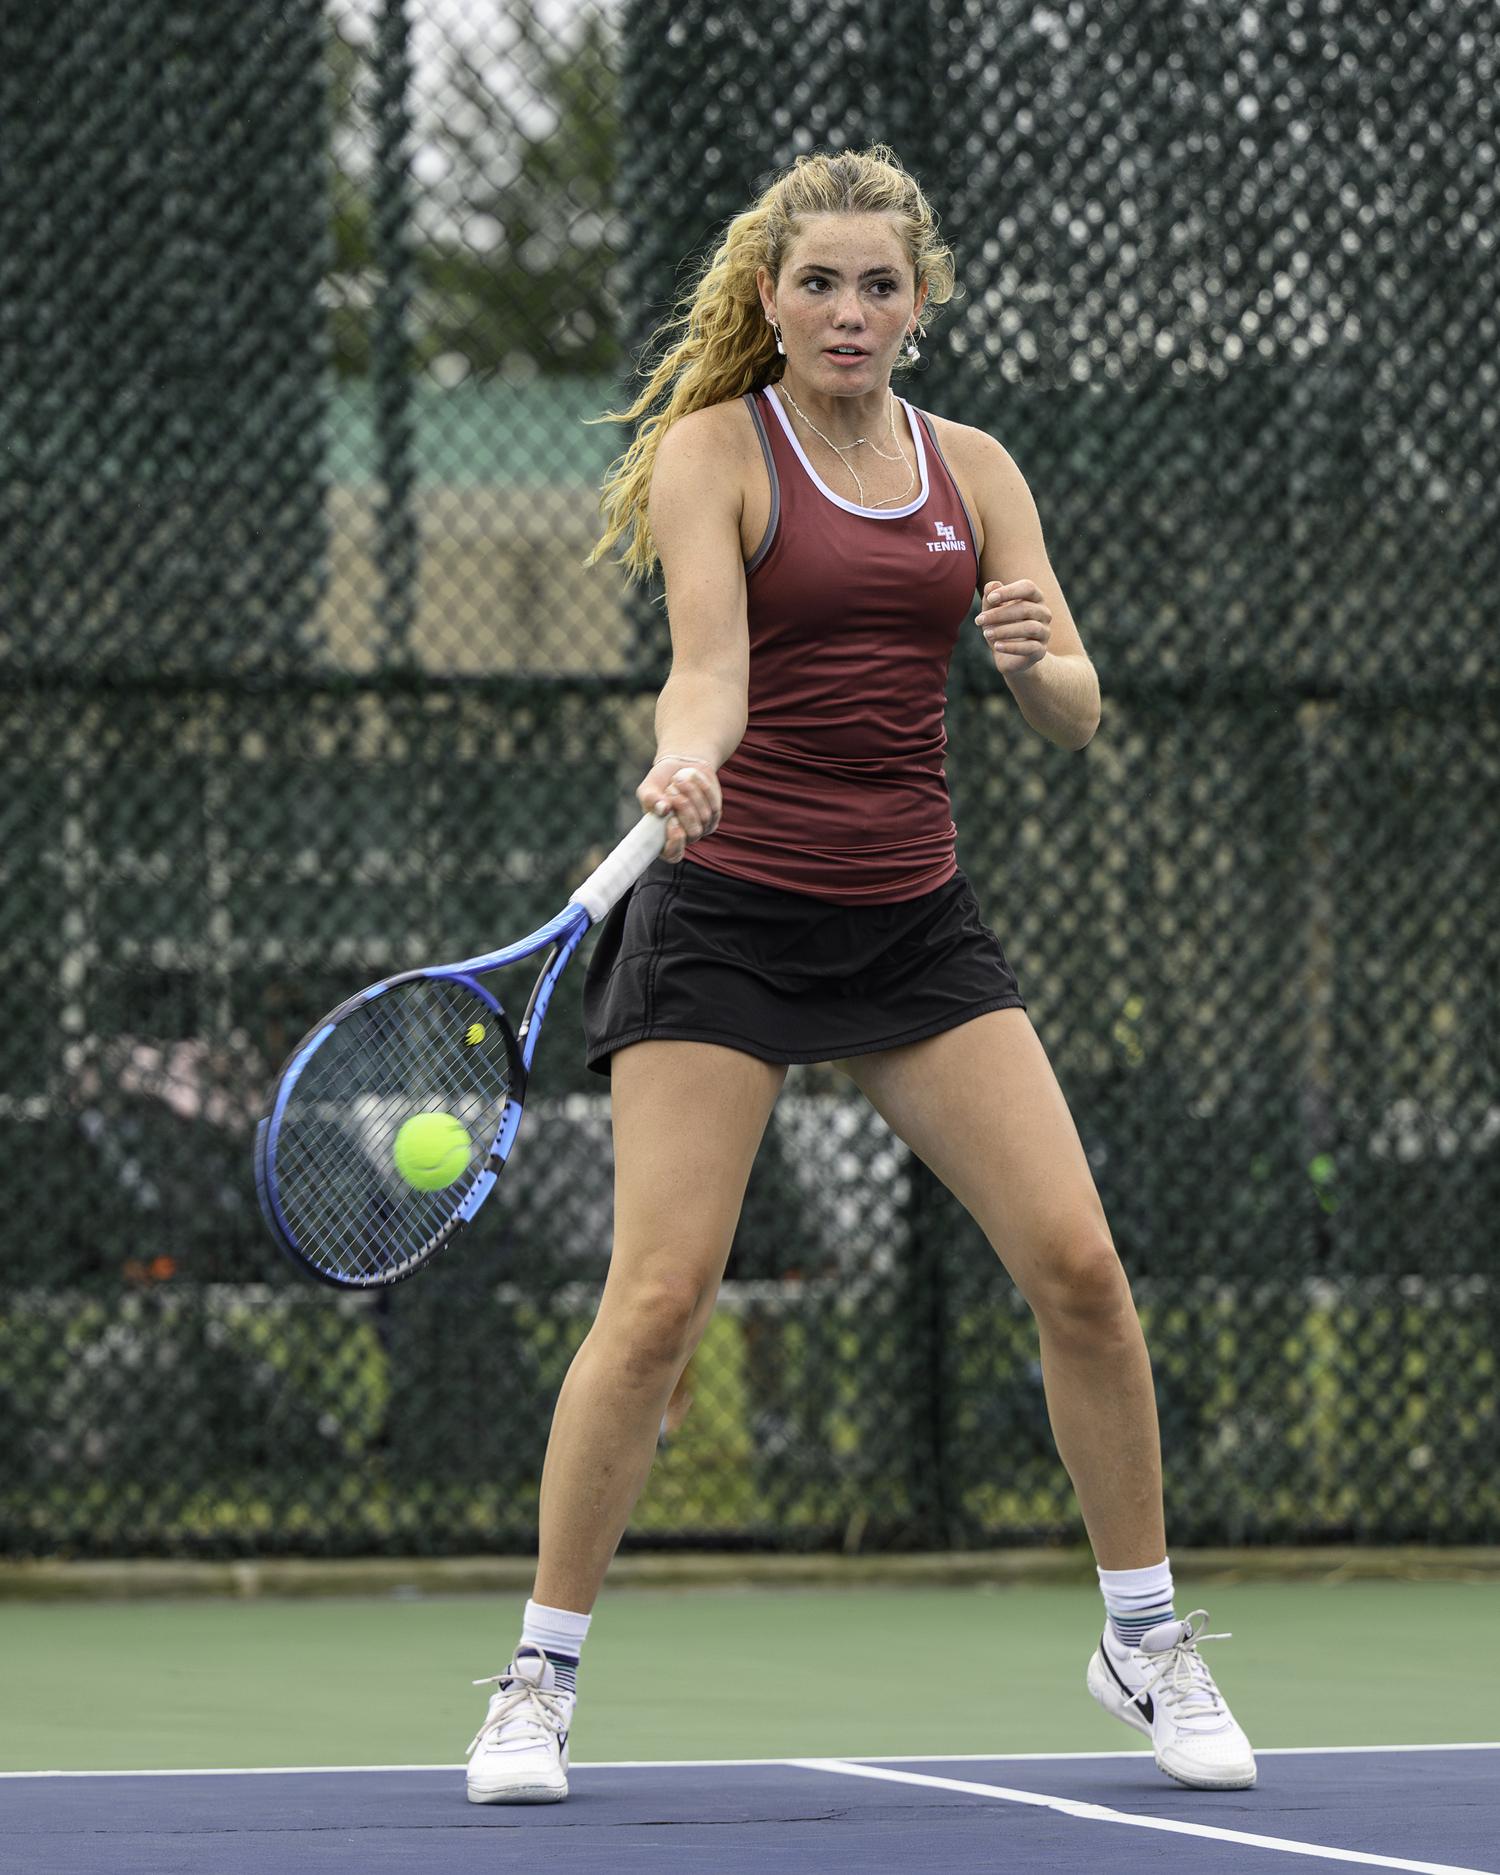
(1024, 616)
(697, 499)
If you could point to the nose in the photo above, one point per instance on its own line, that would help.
(848, 311)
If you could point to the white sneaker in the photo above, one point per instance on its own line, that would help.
(520, 1753)
(1163, 1689)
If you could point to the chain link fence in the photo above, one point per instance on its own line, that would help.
(303, 312)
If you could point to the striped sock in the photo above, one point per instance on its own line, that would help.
(564, 1671)
(1137, 1600)
(559, 1632)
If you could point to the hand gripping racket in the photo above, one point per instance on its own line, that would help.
(387, 1128)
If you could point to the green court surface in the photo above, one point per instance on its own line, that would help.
(720, 1674)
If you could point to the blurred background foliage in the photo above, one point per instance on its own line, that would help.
(514, 174)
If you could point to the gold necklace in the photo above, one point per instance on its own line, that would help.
(839, 451)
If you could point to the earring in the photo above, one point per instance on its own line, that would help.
(912, 354)
(781, 349)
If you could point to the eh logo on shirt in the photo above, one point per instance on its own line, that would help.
(946, 542)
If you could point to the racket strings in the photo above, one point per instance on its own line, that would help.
(429, 1046)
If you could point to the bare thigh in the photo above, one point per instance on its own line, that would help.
(688, 1118)
(981, 1106)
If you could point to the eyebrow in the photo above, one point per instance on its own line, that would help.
(884, 271)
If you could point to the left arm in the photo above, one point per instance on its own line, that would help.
(1024, 616)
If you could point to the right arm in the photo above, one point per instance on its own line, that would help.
(697, 503)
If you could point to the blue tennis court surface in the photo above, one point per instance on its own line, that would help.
(1424, 1808)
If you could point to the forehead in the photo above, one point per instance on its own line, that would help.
(854, 244)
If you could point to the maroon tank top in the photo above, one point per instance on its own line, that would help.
(837, 789)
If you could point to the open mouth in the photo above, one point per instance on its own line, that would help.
(851, 352)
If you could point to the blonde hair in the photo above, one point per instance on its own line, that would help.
(719, 344)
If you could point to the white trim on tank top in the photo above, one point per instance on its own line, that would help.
(853, 507)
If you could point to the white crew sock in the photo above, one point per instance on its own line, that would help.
(1137, 1600)
(560, 1633)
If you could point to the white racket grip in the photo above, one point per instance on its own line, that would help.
(608, 883)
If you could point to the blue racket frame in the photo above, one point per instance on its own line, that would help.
(604, 887)
(564, 934)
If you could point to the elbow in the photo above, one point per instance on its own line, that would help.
(1076, 729)
(1093, 711)
(1084, 734)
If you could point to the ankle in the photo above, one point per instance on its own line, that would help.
(1136, 1600)
(560, 1634)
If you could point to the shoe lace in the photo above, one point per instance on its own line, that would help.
(519, 1702)
(1183, 1677)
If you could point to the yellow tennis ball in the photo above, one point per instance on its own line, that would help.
(431, 1150)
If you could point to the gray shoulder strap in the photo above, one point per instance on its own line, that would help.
(752, 404)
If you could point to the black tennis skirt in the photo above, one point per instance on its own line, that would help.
(695, 956)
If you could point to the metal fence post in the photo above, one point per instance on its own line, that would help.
(391, 353)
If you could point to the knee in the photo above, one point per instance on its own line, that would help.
(652, 1329)
(1082, 1293)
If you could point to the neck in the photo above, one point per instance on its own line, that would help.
(841, 419)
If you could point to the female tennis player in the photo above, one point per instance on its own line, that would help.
(821, 541)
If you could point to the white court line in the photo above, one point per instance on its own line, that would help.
(1097, 1813)
(720, 1764)
(1142, 1751)
(366, 1770)
(1125, 1754)
(1309, 1751)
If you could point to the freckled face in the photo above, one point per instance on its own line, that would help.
(845, 300)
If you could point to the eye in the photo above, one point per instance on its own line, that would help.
(815, 283)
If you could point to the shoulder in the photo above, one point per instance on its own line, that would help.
(719, 436)
(976, 458)
(708, 474)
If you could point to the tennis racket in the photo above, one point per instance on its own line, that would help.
(388, 1126)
